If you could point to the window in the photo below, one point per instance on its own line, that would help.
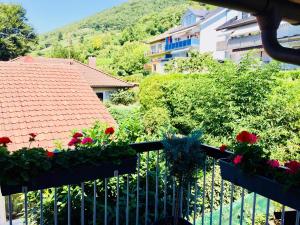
(159, 47)
(189, 20)
(153, 49)
(100, 95)
(177, 39)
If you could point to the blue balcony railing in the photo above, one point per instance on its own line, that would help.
(182, 44)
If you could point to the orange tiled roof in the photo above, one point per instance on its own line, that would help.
(48, 99)
(95, 77)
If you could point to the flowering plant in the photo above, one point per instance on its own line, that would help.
(90, 147)
(250, 157)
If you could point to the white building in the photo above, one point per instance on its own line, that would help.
(225, 33)
(176, 42)
(241, 34)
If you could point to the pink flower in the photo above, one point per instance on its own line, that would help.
(109, 130)
(237, 159)
(223, 148)
(87, 140)
(273, 163)
(74, 141)
(294, 167)
(246, 137)
(77, 135)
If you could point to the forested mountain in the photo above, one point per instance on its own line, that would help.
(115, 36)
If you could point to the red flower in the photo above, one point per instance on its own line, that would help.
(74, 141)
(87, 140)
(77, 135)
(33, 135)
(5, 140)
(237, 159)
(109, 130)
(294, 167)
(273, 163)
(223, 148)
(246, 137)
(50, 154)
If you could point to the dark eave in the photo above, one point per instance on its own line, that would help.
(237, 23)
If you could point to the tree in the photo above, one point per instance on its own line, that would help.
(130, 59)
(16, 35)
(60, 36)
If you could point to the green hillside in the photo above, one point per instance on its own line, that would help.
(114, 19)
(115, 36)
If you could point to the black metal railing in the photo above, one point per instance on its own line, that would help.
(148, 196)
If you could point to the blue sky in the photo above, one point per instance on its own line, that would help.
(46, 15)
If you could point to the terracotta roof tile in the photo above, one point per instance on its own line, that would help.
(95, 77)
(49, 99)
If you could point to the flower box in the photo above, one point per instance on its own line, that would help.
(73, 176)
(261, 185)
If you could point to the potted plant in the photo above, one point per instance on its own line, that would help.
(37, 168)
(250, 167)
(184, 156)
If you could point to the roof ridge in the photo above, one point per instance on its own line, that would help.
(101, 71)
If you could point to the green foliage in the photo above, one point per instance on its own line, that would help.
(130, 59)
(71, 52)
(125, 97)
(184, 157)
(229, 98)
(157, 122)
(194, 63)
(129, 120)
(153, 24)
(60, 36)
(16, 35)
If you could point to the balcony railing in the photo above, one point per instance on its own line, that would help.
(244, 42)
(182, 44)
(149, 195)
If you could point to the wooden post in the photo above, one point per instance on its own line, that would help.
(2, 210)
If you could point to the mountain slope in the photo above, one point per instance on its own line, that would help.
(115, 36)
(114, 19)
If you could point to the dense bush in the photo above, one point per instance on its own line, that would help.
(228, 98)
(124, 97)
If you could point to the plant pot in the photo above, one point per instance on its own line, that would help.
(261, 185)
(73, 176)
(170, 221)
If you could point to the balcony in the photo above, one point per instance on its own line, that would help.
(194, 42)
(148, 195)
(244, 42)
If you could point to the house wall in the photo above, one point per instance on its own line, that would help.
(2, 210)
(106, 92)
(209, 34)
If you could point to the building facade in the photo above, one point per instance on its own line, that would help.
(241, 34)
(226, 34)
(176, 42)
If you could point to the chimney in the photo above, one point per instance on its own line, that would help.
(92, 62)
